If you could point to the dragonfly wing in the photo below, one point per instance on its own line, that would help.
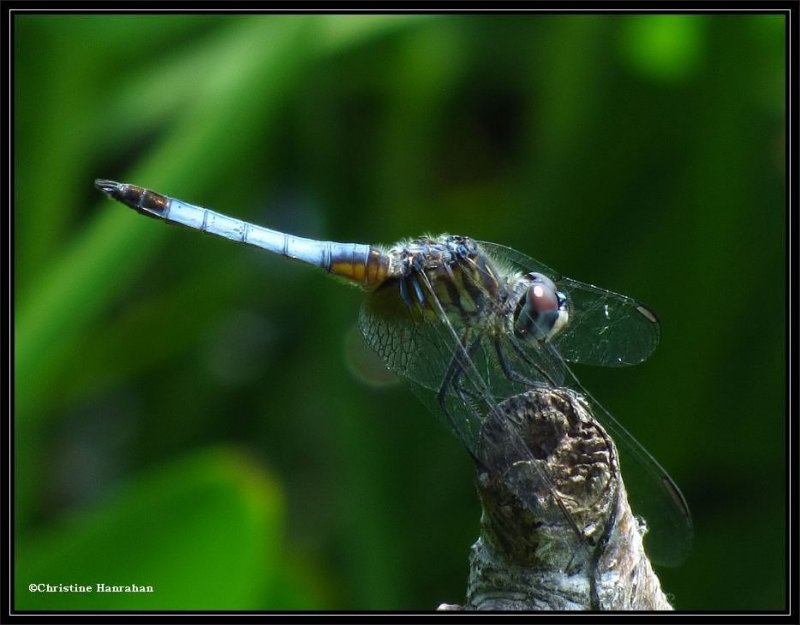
(605, 328)
(402, 338)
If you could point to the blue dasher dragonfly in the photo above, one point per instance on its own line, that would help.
(469, 324)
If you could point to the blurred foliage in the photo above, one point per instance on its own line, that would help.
(149, 526)
(173, 391)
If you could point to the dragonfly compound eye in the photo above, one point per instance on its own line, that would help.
(542, 310)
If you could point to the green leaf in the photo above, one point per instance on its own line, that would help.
(205, 533)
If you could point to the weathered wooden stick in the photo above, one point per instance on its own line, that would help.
(531, 556)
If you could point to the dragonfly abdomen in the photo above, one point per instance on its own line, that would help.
(368, 267)
(364, 265)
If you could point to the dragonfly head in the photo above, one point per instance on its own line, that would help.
(541, 311)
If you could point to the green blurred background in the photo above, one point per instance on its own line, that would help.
(191, 414)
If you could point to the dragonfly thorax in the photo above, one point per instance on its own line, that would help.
(453, 272)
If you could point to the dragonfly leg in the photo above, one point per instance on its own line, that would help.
(404, 294)
(412, 294)
(452, 381)
(458, 364)
(508, 371)
(458, 384)
(418, 291)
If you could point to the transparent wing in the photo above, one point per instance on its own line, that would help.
(605, 328)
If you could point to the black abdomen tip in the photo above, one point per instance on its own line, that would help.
(106, 186)
(138, 198)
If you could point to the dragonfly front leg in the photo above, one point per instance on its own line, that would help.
(514, 375)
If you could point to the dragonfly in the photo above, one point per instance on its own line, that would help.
(468, 324)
